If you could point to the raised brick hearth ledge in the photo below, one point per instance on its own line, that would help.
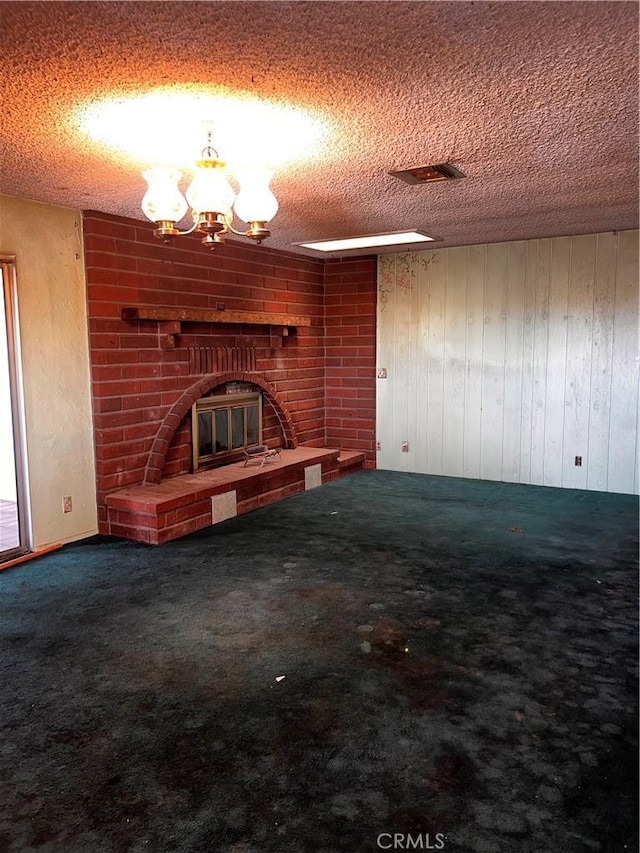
(180, 505)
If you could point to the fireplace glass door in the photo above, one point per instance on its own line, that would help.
(221, 426)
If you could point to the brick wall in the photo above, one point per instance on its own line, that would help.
(350, 351)
(136, 381)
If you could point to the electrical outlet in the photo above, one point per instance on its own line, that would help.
(381, 372)
(378, 445)
(405, 446)
(67, 504)
(578, 461)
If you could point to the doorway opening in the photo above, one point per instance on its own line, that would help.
(13, 522)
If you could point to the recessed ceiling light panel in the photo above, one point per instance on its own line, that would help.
(369, 241)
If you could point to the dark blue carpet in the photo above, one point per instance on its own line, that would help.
(459, 662)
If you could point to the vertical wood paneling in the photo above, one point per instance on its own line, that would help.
(513, 361)
(413, 426)
(493, 365)
(528, 355)
(403, 375)
(385, 344)
(542, 275)
(420, 455)
(624, 388)
(477, 259)
(435, 364)
(578, 364)
(601, 361)
(509, 360)
(454, 361)
(556, 361)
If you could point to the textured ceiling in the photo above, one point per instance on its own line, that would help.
(537, 103)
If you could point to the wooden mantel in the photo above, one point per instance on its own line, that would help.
(171, 318)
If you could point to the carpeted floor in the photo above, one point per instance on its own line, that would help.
(459, 662)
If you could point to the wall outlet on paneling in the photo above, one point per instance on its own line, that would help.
(578, 461)
(67, 504)
(378, 445)
(405, 446)
(381, 373)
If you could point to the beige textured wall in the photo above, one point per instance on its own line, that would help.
(47, 244)
(506, 361)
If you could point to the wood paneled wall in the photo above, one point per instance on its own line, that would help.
(506, 361)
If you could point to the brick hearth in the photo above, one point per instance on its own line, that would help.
(184, 504)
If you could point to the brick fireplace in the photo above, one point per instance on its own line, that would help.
(149, 365)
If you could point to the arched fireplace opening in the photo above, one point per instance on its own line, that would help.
(172, 453)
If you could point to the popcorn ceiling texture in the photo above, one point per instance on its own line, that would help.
(535, 102)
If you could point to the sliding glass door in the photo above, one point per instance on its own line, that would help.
(13, 527)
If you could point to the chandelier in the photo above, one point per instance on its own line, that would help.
(211, 200)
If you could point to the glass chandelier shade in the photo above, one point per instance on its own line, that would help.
(163, 201)
(255, 201)
(209, 191)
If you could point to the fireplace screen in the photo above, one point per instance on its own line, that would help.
(221, 426)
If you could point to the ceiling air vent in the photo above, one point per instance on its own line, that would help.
(428, 174)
